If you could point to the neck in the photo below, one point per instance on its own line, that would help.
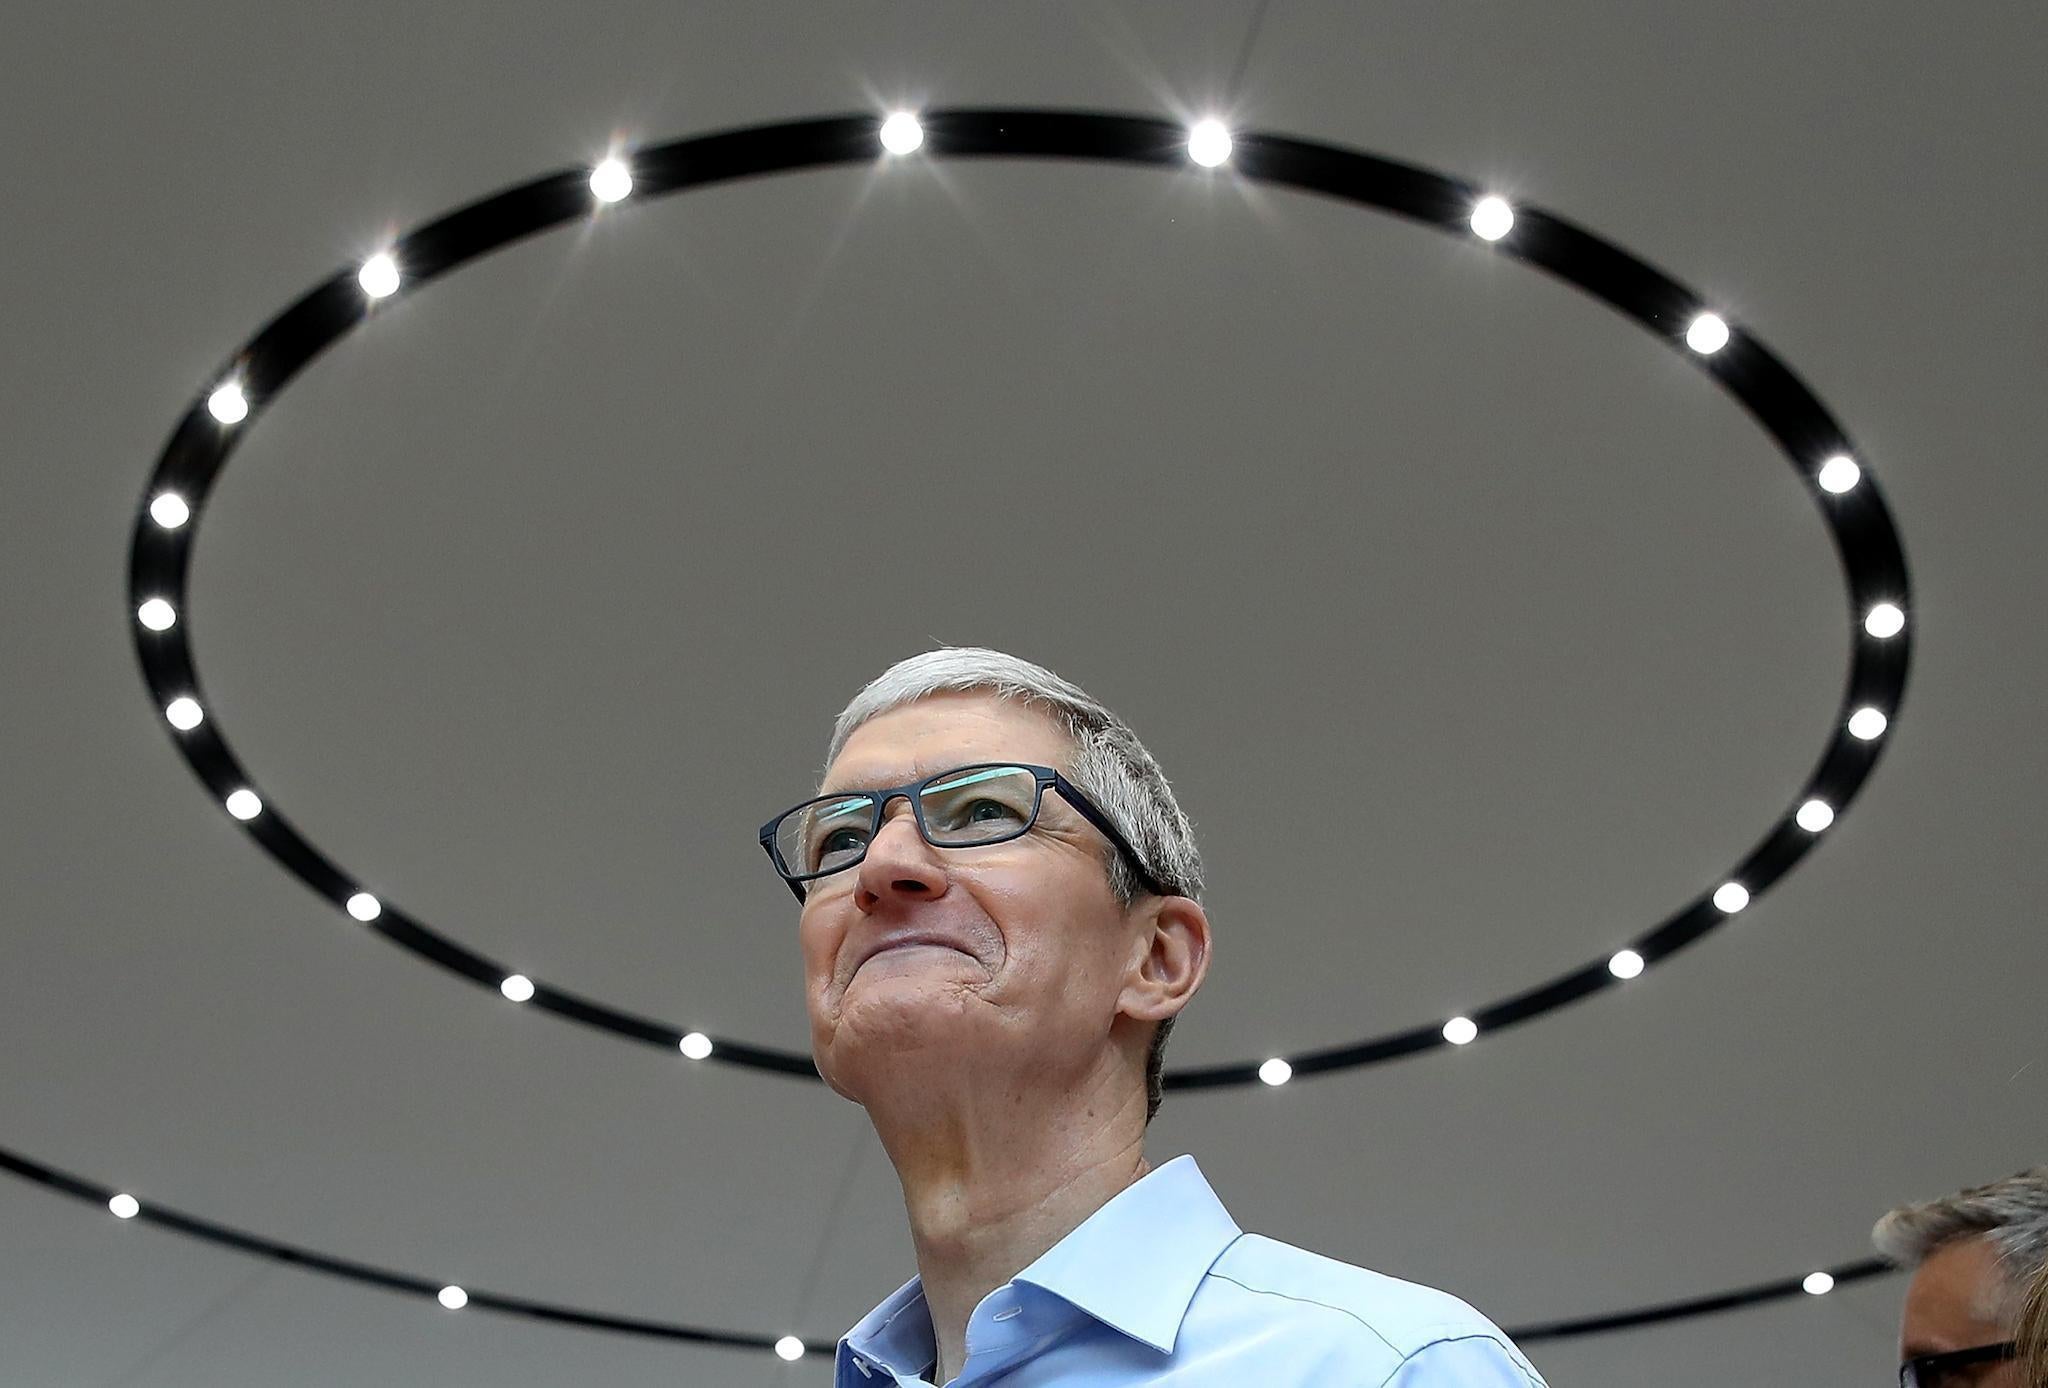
(991, 1184)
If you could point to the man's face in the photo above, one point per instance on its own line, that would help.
(1956, 1301)
(1036, 953)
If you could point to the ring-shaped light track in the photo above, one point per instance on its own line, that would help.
(1813, 443)
(366, 1274)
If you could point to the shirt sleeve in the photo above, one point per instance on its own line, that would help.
(1473, 1361)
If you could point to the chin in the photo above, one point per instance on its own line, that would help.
(879, 1038)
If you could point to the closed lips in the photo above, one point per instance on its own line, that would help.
(899, 941)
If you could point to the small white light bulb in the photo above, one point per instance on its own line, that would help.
(1493, 218)
(1885, 620)
(1839, 473)
(1459, 1031)
(611, 180)
(696, 1045)
(789, 1347)
(1625, 964)
(1208, 143)
(228, 404)
(124, 1206)
(1708, 334)
(184, 714)
(1867, 723)
(454, 1298)
(1276, 1071)
(1731, 897)
(379, 276)
(1815, 815)
(157, 615)
(169, 510)
(1818, 1283)
(245, 804)
(365, 907)
(901, 133)
(518, 987)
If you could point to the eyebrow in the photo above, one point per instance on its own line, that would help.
(917, 772)
(868, 781)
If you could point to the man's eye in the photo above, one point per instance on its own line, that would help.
(998, 806)
(831, 844)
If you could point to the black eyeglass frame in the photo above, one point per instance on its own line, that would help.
(914, 791)
(1910, 1372)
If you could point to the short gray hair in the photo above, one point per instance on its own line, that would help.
(2032, 1333)
(1109, 765)
(2012, 1214)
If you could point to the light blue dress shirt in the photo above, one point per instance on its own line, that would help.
(1161, 1286)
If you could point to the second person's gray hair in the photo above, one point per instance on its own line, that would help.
(2012, 1215)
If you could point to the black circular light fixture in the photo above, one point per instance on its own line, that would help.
(1812, 441)
(455, 1297)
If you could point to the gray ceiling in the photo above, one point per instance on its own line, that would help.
(1476, 630)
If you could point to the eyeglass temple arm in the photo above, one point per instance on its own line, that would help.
(796, 889)
(1109, 831)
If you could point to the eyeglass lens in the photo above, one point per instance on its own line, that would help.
(1954, 1369)
(960, 808)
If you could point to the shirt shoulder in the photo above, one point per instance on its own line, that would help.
(1379, 1326)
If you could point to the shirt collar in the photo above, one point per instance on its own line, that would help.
(1134, 1265)
(897, 1336)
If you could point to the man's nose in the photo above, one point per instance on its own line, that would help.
(898, 859)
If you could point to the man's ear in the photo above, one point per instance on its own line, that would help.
(1168, 960)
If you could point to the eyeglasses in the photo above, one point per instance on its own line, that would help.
(966, 807)
(1944, 1370)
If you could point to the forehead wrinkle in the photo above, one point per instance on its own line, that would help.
(874, 780)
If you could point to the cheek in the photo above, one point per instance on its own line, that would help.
(818, 946)
(1081, 966)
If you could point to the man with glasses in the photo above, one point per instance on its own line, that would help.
(999, 925)
(1973, 1256)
